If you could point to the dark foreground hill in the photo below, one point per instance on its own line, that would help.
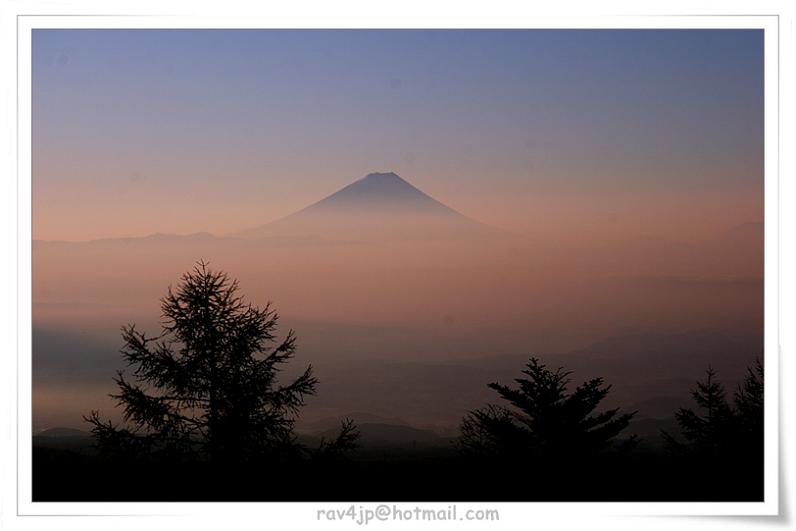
(414, 473)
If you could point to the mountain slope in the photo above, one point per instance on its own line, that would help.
(380, 206)
(380, 192)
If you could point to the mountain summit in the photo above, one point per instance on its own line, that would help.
(381, 191)
(379, 206)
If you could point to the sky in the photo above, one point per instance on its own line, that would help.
(621, 133)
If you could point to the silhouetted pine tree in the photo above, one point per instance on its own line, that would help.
(346, 440)
(707, 431)
(545, 420)
(749, 404)
(207, 386)
(719, 430)
(722, 444)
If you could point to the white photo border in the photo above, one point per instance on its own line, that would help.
(295, 512)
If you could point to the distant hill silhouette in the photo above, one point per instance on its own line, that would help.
(752, 230)
(360, 417)
(379, 434)
(62, 432)
(154, 238)
(380, 206)
(64, 439)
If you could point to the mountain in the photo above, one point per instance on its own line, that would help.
(155, 239)
(64, 439)
(380, 206)
(62, 432)
(378, 434)
(752, 231)
(328, 424)
(380, 192)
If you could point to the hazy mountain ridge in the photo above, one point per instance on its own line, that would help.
(382, 191)
(383, 207)
(380, 206)
(155, 237)
(62, 432)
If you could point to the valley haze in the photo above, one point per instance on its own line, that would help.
(407, 308)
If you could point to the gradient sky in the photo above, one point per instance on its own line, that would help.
(618, 132)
